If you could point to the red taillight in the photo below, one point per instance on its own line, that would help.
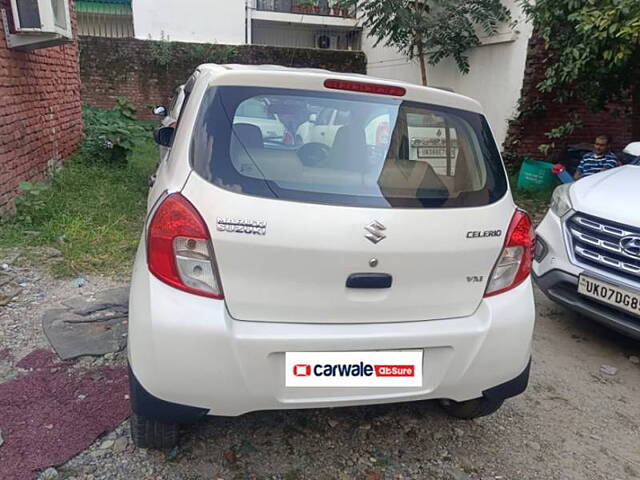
(514, 264)
(365, 87)
(179, 248)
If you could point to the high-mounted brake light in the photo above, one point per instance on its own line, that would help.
(365, 87)
(179, 250)
(514, 264)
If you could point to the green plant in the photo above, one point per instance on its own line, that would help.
(110, 135)
(437, 29)
(559, 133)
(211, 53)
(593, 47)
(162, 50)
(125, 108)
(92, 212)
(30, 200)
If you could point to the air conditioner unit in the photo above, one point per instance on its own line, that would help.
(38, 23)
(326, 41)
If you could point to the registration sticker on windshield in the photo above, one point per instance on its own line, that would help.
(354, 369)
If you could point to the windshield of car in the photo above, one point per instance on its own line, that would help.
(345, 149)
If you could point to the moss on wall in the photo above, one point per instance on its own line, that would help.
(147, 71)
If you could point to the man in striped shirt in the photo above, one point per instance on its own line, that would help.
(599, 160)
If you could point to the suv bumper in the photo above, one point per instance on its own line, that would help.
(187, 350)
(562, 287)
(557, 277)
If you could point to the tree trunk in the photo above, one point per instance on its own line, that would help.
(418, 6)
(423, 65)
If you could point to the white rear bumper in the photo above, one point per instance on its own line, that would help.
(188, 350)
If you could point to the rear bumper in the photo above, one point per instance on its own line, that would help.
(149, 406)
(188, 350)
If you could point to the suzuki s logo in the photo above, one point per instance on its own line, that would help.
(375, 232)
(631, 245)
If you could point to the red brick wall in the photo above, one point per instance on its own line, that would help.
(540, 113)
(40, 112)
(126, 67)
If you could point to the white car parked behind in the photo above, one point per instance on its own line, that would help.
(588, 248)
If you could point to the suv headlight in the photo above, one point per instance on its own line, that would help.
(560, 201)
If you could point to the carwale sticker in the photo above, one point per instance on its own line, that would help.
(354, 369)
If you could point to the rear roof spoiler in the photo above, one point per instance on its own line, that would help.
(446, 89)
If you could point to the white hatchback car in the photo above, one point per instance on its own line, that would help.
(274, 275)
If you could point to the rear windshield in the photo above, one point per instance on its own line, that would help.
(345, 149)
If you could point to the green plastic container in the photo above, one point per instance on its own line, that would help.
(536, 175)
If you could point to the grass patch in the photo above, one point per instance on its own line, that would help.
(92, 213)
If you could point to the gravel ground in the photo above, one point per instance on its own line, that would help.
(576, 421)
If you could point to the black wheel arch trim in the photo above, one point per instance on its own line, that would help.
(511, 388)
(149, 406)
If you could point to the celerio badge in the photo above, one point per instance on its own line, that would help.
(484, 234)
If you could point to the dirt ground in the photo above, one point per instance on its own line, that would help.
(575, 422)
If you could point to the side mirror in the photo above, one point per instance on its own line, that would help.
(313, 118)
(160, 111)
(164, 136)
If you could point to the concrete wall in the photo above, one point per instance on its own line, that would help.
(495, 79)
(197, 21)
(40, 115)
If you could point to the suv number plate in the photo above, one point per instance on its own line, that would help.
(610, 294)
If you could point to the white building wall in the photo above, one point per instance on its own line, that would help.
(200, 21)
(497, 69)
(495, 79)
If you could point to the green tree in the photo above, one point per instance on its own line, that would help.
(594, 48)
(435, 29)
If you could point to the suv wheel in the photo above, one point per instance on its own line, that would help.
(147, 433)
(478, 407)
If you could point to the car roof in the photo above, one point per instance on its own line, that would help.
(441, 96)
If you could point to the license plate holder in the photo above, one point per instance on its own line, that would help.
(613, 295)
(401, 368)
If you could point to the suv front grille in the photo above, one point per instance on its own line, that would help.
(596, 243)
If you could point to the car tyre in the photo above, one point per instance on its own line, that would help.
(470, 409)
(148, 433)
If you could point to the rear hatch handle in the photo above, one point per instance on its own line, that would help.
(369, 280)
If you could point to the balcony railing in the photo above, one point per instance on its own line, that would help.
(305, 7)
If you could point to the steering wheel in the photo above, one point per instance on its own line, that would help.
(312, 154)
